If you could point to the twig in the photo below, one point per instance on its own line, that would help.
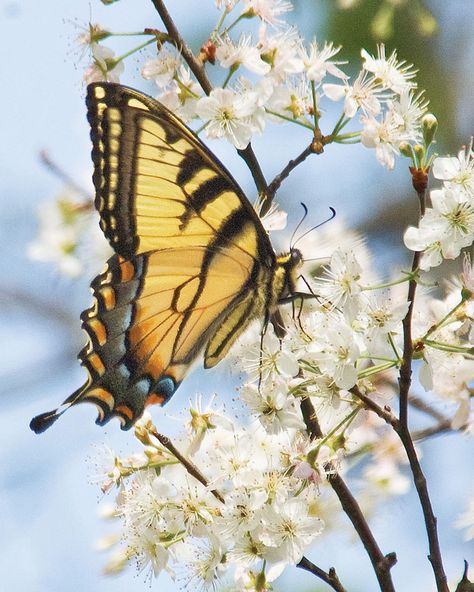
(380, 562)
(420, 182)
(329, 577)
(277, 181)
(54, 168)
(188, 465)
(199, 72)
(384, 413)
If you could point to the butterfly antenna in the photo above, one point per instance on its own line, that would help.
(331, 217)
(299, 224)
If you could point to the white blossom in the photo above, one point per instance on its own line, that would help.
(317, 61)
(456, 171)
(445, 228)
(228, 114)
(244, 53)
(161, 69)
(393, 74)
(104, 67)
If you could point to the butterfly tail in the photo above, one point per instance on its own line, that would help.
(43, 421)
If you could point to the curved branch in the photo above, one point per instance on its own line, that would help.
(330, 577)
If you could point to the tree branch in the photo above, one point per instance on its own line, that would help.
(330, 577)
(420, 183)
(188, 465)
(380, 562)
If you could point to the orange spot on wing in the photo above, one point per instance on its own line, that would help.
(103, 395)
(98, 329)
(125, 410)
(127, 270)
(154, 399)
(96, 363)
(108, 295)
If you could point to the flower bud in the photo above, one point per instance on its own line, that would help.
(429, 125)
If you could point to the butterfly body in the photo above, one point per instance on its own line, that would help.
(192, 264)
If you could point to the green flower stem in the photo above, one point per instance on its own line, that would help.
(409, 276)
(394, 348)
(315, 105)
(448, 347)
(132, 51)
(291, 120)
(347, 420)
(442, 321)
(375, 369)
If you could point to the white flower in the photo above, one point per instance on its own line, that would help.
(379, 319)
(267, 10)
(447, 227)
(390, 72)
(400, 123)
(244, 53)
(181, 95)
(105, 67)
(275, 408)
(456, 171)
(291, 99)
(204, 563)
(364, 94)
(341, 285)
(287, 529)
(335, 350)
(229, 116)
(161, 69)
(282, 52)
(318, 64)
(241, 513)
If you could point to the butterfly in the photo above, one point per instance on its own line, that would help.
(192, 267)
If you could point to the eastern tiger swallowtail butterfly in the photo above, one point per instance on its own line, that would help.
(192, 267)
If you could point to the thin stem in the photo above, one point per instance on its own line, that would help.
(330, 578)
(457, 349)
(289, 119)
(442, 321)
(383, 412)
(380, 562)
(188, 465)
(420, 182)
(278, 180)
(134, 50)
(315, 105)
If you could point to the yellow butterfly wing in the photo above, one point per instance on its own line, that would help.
(193, 264)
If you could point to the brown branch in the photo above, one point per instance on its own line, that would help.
(199, 72)
(330, 577)
(278, 180)
(381, 563)
(383, 412)
(188, 465)
(420, 182)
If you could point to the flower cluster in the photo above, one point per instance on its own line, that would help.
(278, 77)
(256, 517)
(448, 225)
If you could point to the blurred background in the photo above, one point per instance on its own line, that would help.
(48, 501)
